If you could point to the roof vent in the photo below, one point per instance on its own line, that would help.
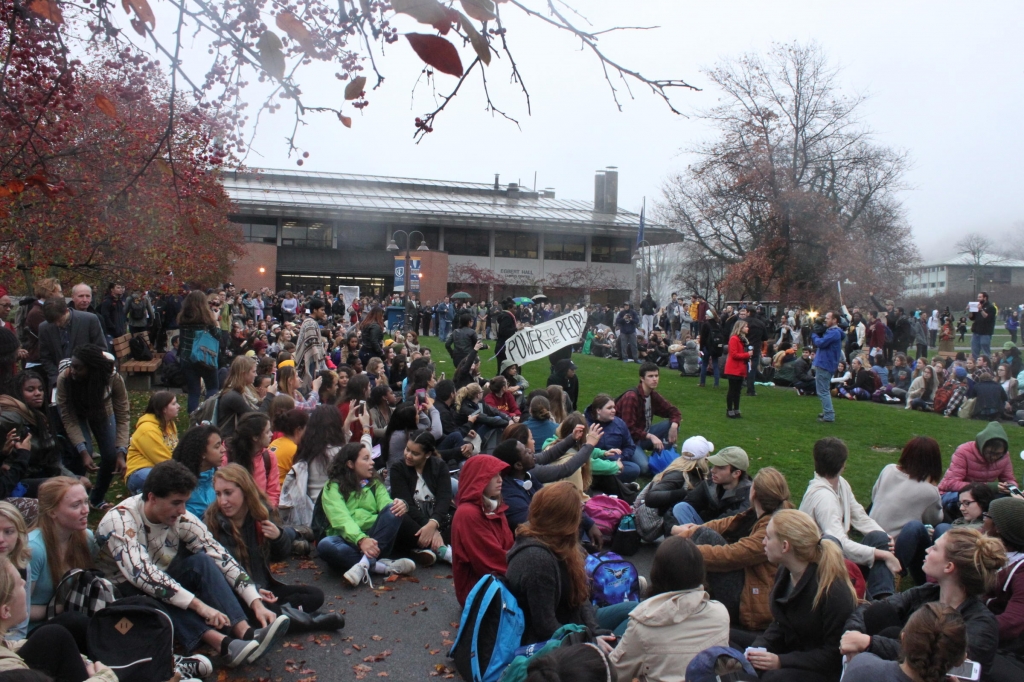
(548, 193)
(513, 190)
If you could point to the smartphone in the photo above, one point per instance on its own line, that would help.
(968, 670)
(1014, 490)
(442, 376)
(421, 395)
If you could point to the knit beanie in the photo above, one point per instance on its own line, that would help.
(1008, 515)
(697, 447)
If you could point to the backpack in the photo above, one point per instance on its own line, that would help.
(137, 312)
(205, 349)
(626, 538)
(491, 630)
(941, 399)
(649, 523)
(135, 638)
(888, 334)
(139, 349)
(319, 523)
(720, 664)
(81, 590)
(206, 413)
(613, 580)
(607, 512)
(567, 635)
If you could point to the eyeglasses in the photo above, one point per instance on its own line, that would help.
(966, 503)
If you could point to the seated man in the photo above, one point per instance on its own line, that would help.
(830, 502)
(164, 552)
(725, 493)
(638, 407)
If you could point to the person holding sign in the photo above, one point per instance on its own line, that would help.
(638, 407)
(983, 317)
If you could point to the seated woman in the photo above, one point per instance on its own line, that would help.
(517, 383)
(405, 422)
(362, 521)
(468, 402)
(973, 501)
(248, 448)
(324, 437)
(861, 384)
(540, 423)
(480, 532)
(288, 383)
(382, 403)
(616, 434)
(154, 440)
(241, 520)
(672, 485)
(810, 602)
(238, 396)
(501, 398)
(201, 450)
(546, 570)
(605, 472)
(563, 458)
(963, 563)
(421, 479)
(922, 390)
(906, 498)
(61, 542)
(934, 642)
(51, 649)
(14, 548)
(840, 378)
(675, 622)
(292, 426)
(739, 573)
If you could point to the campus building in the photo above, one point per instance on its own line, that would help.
(310, 230)
(964, 274)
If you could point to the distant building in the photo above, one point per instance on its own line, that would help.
(963, 275)
(310, 230)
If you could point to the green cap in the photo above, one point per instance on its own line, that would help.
(734, 456)
(1009, 345)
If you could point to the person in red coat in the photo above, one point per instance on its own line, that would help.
(501, 399)
(480, 533)
(736, 368)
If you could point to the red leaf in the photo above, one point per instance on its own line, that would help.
(346, 121)
(106, 106)
(211, 202)
(437, 52)
(296, 30)
(16, 186)
(36, 180)
(47, 9)
(355, 87)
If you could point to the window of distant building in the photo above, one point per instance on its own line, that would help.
(258, 232)
(306, 234)
(460, 242)
(565, 247)
(515, 245)
(610, 249)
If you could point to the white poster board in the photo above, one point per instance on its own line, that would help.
(544, 339)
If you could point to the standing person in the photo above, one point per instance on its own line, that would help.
(371, 332)
(875, 338)
(1012, 325)
(63, 332)
(920, 330)
(197, 316)
(506, 326)
(310, 347)
(828, 339)
(28, 329)
(411, 310)
(810, 603)
(626, 323)
(736, 367)
(564, 374)
(93, 402)
(757, 334)
(639, 407)
(713, 344)
(983, 326)
(933, 328)
(81, 298)
(647, 310)
(444, 318)
(112, 312)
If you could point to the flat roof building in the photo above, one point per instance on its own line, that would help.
(963, 274)
(310, 230)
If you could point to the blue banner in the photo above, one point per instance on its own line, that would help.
(414, 274)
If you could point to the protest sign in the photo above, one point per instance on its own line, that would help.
(544, 339)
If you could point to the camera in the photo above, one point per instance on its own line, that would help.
(485, 347)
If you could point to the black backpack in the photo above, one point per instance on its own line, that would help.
(134, 638)
(139, 349)
(717, 340)
(137, 311)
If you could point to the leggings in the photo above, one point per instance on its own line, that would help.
(732, 398)
(52, 649)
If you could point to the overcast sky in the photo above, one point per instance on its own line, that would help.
(945, 81)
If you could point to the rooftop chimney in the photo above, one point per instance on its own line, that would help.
(599, 192)
(513, 190)
(497, 187)
(611, 189)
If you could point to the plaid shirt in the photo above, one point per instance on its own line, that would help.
(630, 408)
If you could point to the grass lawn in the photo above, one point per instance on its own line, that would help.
(778, 427)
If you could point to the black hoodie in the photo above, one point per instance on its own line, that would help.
(571, 385)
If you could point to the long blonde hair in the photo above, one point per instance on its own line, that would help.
(51, 494)
(802, 534)
(8, 583)
(20, 553)
(737, 329)
(694, 470)
(238, 378)
(771, 490)
(468, 392)
(556, 400)
(255, 502)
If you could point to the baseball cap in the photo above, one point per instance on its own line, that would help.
(733, 456)
(697, 447)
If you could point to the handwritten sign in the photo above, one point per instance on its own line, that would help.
(544, 339)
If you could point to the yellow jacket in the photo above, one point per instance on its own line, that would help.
(149, 445)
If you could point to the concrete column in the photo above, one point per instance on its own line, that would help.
(280, 230)
(586, 250)
(540, 253)
(334, 235)
(490, 252)
(440, 238)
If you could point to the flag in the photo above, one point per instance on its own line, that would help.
(640, 231)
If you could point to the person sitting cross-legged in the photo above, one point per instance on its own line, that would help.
(638, 407)
(725, 493)
(165, 552)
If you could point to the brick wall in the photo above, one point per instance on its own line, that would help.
(247, 274)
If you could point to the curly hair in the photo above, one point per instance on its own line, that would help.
(191, 448)
(344, 476)
(87, 398)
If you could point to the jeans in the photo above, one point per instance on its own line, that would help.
(616, 617)
(137, 478)
(444, 324)
(193, 373)
(922, 351)
(705, 360)
(823, 387)
(105, 432)
(881, 582)
(639, 457)
(685, 513)
(630, 471)
(755, 367)
(981, 344)
(724, 586)
(933, 335)
(199, 574)
(341, 555)
(911, 544)
(627, 347)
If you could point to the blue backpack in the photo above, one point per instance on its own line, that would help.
(613, 580)
(490, 632)
(205, 349)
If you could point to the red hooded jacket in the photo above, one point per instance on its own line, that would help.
(480, 539)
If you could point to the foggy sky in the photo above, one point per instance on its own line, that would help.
(944, 81)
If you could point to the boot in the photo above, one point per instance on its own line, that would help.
(328, 621)
(300, 620)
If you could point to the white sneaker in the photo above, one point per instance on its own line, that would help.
(397, 566)
(444, 553)
(358, 574)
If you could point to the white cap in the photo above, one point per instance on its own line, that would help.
(697, 447)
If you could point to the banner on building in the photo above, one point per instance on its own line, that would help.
(399, 273)
(544, 339)
(414, 274)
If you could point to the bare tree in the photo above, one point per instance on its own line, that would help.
(793, 190)
(979, 248)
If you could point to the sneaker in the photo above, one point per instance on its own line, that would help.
(357, 575)
(444, 553)
(633, 487)
(397, 566)
(239, 651)
(825, 421)
(192, 666)
(264, 637)
(301, 547)
(424, 557)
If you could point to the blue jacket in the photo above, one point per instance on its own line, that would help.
(203, 494)
(627, 321)
(616, 435)
(517, 497)
(541, 430)
(829, 349)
